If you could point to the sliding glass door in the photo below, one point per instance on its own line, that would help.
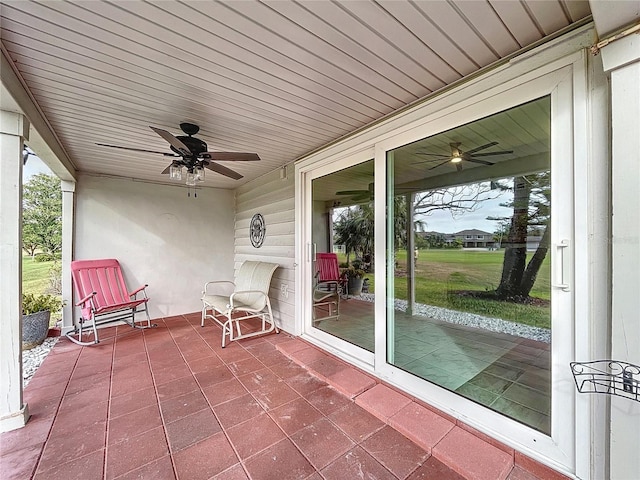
(471, 310)
(342, 233)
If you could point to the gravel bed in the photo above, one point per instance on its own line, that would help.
(32, 358)
(472, 320)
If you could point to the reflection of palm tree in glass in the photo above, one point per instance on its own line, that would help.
(354, 230)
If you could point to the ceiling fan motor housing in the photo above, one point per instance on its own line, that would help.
(195, 145)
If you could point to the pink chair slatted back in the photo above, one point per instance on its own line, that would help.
(103, 277)
(327, 267)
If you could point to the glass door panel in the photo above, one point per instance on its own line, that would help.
(468, 215)
(342, 235)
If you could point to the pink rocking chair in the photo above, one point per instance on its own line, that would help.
(103, 297)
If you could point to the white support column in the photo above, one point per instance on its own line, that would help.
(68, 229)
(14, 129)
(622, 60)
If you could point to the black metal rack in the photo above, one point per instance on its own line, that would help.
(611, 377)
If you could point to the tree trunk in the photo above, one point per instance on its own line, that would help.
(530, 274)
(515, 254)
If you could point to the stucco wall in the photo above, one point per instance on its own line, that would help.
(161, 237)
(273, 197)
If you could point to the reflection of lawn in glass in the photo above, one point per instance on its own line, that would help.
(441, 273)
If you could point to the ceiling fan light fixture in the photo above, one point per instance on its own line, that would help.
(456, 159)
(175, 172)
(199, 173)
(191, 178)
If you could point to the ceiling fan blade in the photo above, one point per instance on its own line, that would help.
(440, 164)
(173, 141)
(482, 147)
(459, 166)
(357, 198)
(231, 156)
(488, 154)
(432, 160)
(475, 160)
(227, 172)
(432, 154)
(166, 154)
(353, 192)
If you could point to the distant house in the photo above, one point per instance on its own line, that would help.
(475, 238)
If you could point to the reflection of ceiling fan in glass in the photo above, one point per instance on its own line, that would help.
(358, 195)
(458, 156)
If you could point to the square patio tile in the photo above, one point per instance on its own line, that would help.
(395, 451)
(81, 468)
(161, 468)
(191, 429)
(134, 423)
(178, 387)
(356, 463)
(247, 365)
(471, 457)
(68, 445)
(254, 435)
(434, 469)
(205, 459)
(294, 415)
(351, 382)
(287, 369)
(322, 442)
(382, 401)
(282, 461)
(234, 473)
(272, 396)
(224, 391)
(217, 374)
(135, 451)
(327, 400)
(356, 422)
(421, 425)
(237, 411)
(179, 407)
(304, 383)
(20, 462)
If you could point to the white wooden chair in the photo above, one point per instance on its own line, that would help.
(249, 299)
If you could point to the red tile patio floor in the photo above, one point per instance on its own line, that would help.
(170, 403)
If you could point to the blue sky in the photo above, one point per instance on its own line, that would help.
(442, 221)
(33, 166)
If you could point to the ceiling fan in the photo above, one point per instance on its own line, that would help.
(457, 155)
(358, 195)
(191, 153)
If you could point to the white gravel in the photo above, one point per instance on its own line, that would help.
(472, 320)
(32, 358)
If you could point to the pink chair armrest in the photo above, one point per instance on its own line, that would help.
(138, 290)
(80, 302)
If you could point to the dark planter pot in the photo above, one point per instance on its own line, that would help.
(355, 285)
(34, 329)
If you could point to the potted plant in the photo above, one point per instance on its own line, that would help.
(355, 277)
(36, 314)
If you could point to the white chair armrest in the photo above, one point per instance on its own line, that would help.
(206, 285)
(232, 296)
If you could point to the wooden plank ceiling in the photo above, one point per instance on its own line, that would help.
(279, 78)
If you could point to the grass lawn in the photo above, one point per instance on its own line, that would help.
(35, 279)
(35, 276)
(441, 273)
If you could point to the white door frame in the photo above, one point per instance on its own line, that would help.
(561, 73)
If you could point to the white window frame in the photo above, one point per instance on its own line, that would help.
(558, 69)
